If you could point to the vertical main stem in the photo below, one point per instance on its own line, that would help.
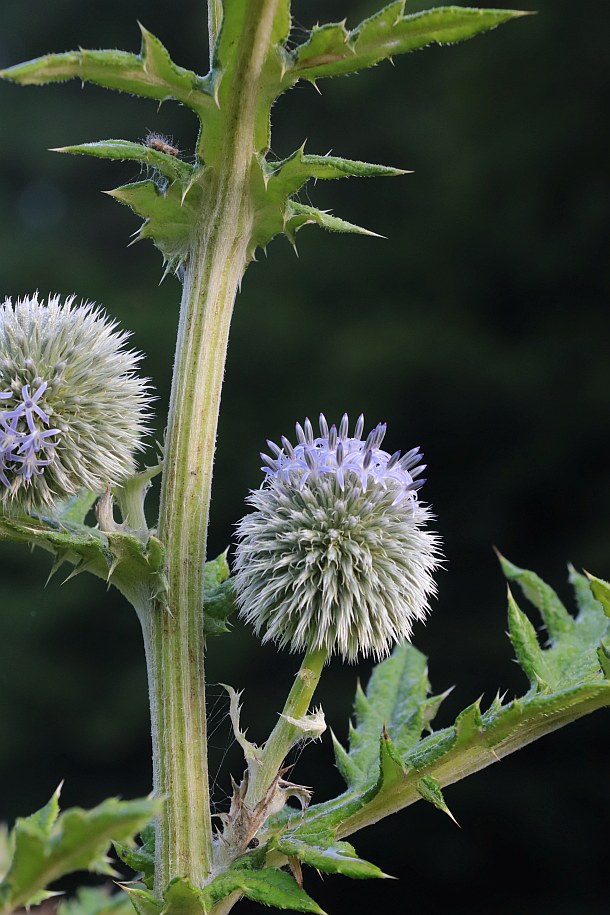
(174, 626)
(176, 641)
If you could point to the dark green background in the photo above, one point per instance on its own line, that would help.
(479, 330)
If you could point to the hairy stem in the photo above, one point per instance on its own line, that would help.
(173, 627)
(285, 735)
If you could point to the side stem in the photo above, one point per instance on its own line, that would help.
(285, 735)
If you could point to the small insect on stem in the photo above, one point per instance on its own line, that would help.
(161, 144)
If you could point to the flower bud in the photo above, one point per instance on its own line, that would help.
(72, 409)
(335, 555)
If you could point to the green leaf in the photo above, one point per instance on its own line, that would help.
(327, 855)
(430, 791)
(218, 595)
(569, 679)
(523, 636)
(268, 886)
(169, 212)
(298, 215)
(556, 618)
(332, 50)
(143, 901)
(397, 700)
(96, 900)
(182, 898)
(151, 73)
(287, 177)
(170, 166)
(601, 592)
(47, 846)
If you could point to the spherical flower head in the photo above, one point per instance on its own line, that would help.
(72, 408)
(335, 555)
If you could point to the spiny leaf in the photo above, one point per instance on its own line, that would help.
(169, 214)
(75, 509)
(299, 215)
(182, 898)
(144, 901)
(570, 679)
(556, 618)
(327, 855)
(151, 73)
(601, 592)
(218, 595)
(140, 858)
(430, 790)
(524, 639)
(267, 886)
(170, 166)
(47, 846)
(332, 50)
(96, 900)
(287, 177)
(397, 698)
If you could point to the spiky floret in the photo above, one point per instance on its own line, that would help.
(72, 409)
(335, 555)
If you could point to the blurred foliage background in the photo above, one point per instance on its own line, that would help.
(479, 330)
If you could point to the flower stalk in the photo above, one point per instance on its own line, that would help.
(285, 734)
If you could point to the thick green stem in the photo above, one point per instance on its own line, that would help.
(173, 627)
(285, 734)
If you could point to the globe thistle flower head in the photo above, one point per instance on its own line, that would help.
(335, 555)
(72, 408)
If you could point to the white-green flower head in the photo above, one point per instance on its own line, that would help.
(335, 555)
(72, 409)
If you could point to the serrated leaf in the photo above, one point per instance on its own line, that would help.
(143, 901)
(96, 900)
(47, 847)
(75, 509)
(524, 639)
(151, 73)
(170, 166)
(576, 667)
(267, 886)
(139, 859)
(328, 855)
(298, 215)
(397, 699)
(331, 50)
(556, 618)
(601, 592)
(288, 176)
(169, 214)
(218, 595)
(182, 898)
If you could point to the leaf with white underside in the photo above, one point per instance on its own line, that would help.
(47, 845)
(332, 49)
(390, 764)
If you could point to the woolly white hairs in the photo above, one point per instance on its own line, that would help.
(72, 409)
(334, 556)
